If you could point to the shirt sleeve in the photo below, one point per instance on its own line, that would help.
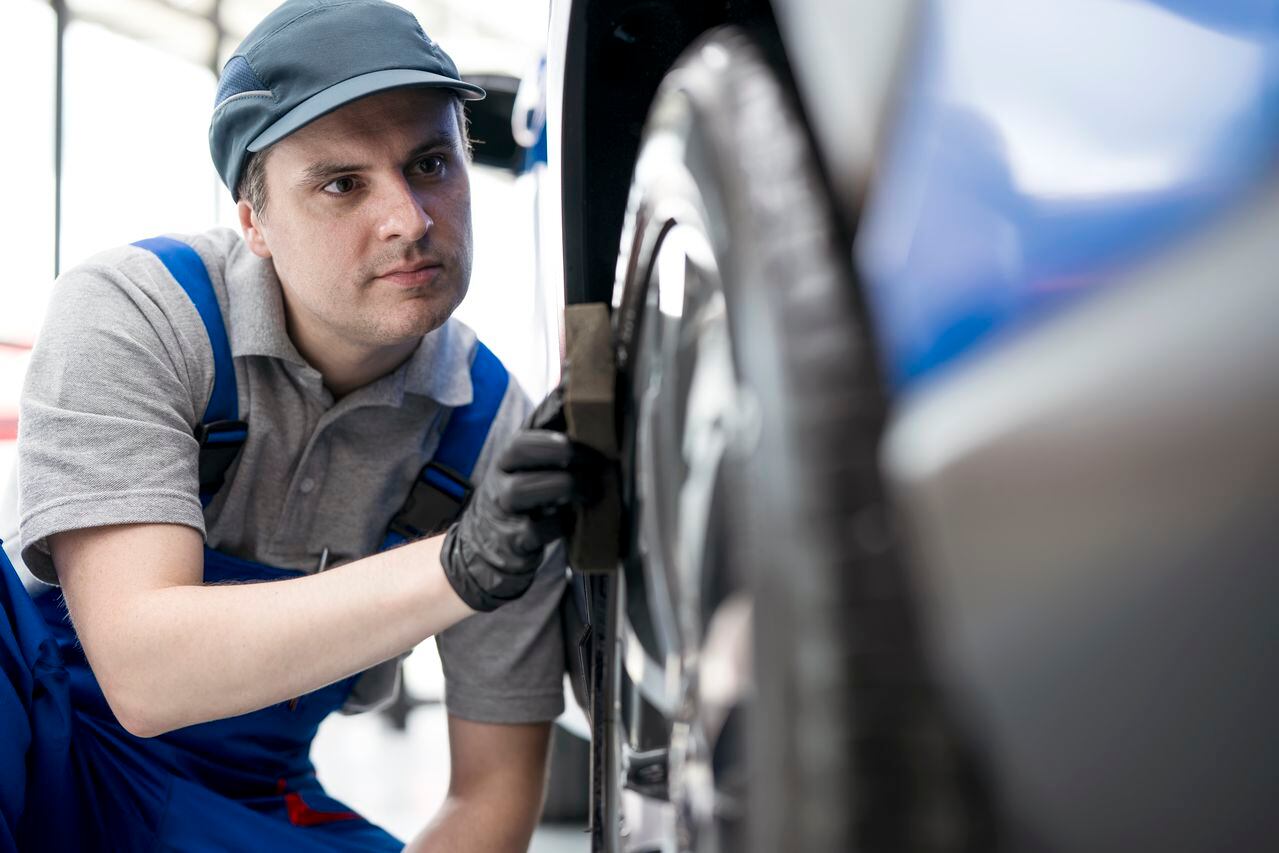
(117, 380)
(507, 666)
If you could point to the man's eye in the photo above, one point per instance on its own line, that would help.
(340, 186)
(432, 166)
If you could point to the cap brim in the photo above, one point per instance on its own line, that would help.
(340, 94)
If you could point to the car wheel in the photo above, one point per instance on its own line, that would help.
(763, 687)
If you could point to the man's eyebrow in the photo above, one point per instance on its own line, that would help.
(328, 170)
(321, 171)
(446, 139)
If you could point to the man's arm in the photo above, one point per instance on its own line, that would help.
(495, 788)
(169, 651)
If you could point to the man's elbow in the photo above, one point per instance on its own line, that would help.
(134, 714)
(138, 711)
(143, 727)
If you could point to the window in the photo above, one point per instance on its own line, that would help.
(136, 156)
(27, 69)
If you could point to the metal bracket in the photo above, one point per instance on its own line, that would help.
(589, 410)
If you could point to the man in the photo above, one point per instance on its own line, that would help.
(214, 638)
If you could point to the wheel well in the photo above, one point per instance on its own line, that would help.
(617, 54)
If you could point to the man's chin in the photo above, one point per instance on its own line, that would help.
(413, 322)
(407, 313)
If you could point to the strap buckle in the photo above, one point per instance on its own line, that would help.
(221, 432)
(438, 496)
(220, 443)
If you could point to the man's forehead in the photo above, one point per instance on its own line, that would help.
(395, 119)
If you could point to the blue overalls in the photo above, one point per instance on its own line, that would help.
(72, 779)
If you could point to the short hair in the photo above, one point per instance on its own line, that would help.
(252, 186)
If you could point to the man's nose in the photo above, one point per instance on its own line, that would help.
(402, 214)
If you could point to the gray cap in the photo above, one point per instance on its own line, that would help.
(309, 57)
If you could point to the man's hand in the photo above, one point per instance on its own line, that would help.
(492, 553)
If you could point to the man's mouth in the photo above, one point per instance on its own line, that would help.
(412, 274)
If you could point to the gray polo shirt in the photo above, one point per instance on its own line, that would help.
(119, 378)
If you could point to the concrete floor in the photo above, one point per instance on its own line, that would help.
(398, 779)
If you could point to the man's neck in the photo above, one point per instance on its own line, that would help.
(344, 364)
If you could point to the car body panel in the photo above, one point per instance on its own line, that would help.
(1092, 510)
(1042, 147)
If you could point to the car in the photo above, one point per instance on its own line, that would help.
(945, 392)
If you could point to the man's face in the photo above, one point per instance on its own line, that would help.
(368, 219)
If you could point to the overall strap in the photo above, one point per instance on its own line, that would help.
(443, 486)
(220, 432)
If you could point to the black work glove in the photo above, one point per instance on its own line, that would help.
(492, 552)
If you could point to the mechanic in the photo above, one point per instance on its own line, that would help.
(218, 431)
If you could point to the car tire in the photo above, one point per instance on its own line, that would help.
(834, 737)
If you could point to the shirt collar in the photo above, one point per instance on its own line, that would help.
(438, 369)
(257, 308)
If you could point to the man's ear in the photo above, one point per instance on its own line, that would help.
(252, 230)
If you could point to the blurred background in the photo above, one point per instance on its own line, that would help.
(108, 103)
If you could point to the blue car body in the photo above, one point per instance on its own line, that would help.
(1042, 147)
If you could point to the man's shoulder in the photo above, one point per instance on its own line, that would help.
(111, 279)
(123, 306)
(480, 362)
(215, 246)
(513, 409)
(218, 247)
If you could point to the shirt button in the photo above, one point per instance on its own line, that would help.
(307, 486)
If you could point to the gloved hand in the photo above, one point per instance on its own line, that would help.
(492, 552)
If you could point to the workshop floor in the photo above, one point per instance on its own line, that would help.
(398, 779)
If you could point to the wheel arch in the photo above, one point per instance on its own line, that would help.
(616, 54)
(841, 60)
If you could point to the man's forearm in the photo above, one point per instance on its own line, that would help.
(185, 654)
